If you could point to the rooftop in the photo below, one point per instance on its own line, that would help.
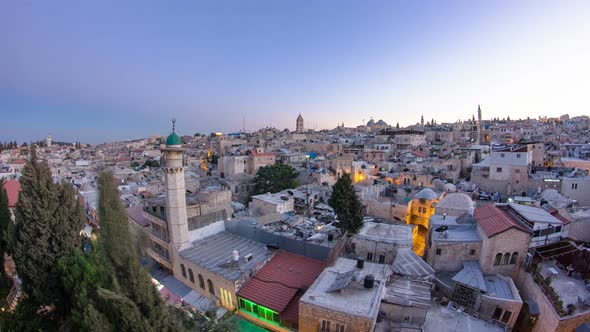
(12, 188)
(495, 220)
(276, 285)
(407, 263)
(534, 214)
(399, 234)
(353, 299)
(136, 214)
(408, 293)
(471, 276)
(457, 233)
(214, 253)
(498, 287)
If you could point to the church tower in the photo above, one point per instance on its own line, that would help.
(49, 140)
(173, 167)
(299, 124)
(479, 127)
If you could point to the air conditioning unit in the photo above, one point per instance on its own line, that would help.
(248, 258)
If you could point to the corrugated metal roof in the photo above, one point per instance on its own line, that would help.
(407, 263)
(494, 220)
(471, 276)
(277, 283)
(409, 293)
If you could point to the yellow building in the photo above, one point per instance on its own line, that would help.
(420, 208)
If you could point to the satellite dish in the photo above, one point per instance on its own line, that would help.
(441, 229)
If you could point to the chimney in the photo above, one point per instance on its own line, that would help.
(236, 255)
(444, 216)
(369, 281)
(360, 263)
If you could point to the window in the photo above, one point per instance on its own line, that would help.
(517, 171)
(340, 328)
(191, 276)
(183, 270)
(325, 327)
(438, 252)
(369, 257)
(498, 259)
(502, 155)
(536, 233)
(407, 319)
(497, 314)
(514, 258)
(557, 229)
(506, 258)
(518, 155)
(506, 316)
(574, 186)
(472, 252)
(499, 169)
(381, 259)
(201, 282)
(210, 286)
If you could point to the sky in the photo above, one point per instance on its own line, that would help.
(96, 71)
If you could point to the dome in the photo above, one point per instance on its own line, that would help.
(450, 188)
(426, 193)
(173, 139)
(371, 123)
(381, 123)
(438, 184)
(456, 201)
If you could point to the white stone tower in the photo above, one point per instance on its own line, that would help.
(299, 124)
(173, 167)
(49, 140)
(479, 127)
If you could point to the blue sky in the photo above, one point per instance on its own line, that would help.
(110, 70)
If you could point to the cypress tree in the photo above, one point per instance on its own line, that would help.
(346, 204)
(48, 220)
(127, 297)
(4, 222)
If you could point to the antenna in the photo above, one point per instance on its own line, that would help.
(173, 124)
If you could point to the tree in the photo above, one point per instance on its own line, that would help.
(274, 178)
(48, 220)
(397, 125)
(4, 222)
(126, 297)
(346, 204)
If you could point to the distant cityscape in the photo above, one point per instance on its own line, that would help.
(477, 225)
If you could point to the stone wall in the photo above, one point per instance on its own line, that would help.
(509, 241)
(311, 316)
(452, 255)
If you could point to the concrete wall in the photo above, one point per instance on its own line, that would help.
(548, 320)
(396, 314)
(311, 316)
(577, 188)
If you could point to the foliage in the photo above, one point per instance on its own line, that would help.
(274, 178)
(48, 219)
(151, 163)
(347, 205)
(8, 145)
(4, 222)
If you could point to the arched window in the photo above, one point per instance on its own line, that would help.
(191, 276)
(210, 286)
(183, 270)
(506, 258)
(514, 258)
(498, 260)
(201, 282)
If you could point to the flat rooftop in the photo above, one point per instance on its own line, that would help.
(215, 253)
(400, 234)
(534, 214)
(498, 287)
(442, 319)
(457, 233)
(353, 299)
(278, 198)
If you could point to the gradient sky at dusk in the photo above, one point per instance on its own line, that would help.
(121, 69)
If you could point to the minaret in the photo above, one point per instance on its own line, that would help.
(422, 120)
(49, 140)
(175, 191)
(479, 128)
(299, 124)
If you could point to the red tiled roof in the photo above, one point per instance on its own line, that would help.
(556, 214)
(277, 284)
(18, 162)
(494, 220)
(12, 188)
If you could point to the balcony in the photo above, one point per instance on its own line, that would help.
(160, 256)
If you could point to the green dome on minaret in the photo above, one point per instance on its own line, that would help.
(173, 139)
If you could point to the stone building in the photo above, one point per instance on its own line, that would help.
(299, 124)
(455, 204)
(344, 297)
(420, 208)
(379, 243)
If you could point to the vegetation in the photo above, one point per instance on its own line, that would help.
(8, 146)
(4, 222)
(151, 163)
(274, 178)
(347, 205)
